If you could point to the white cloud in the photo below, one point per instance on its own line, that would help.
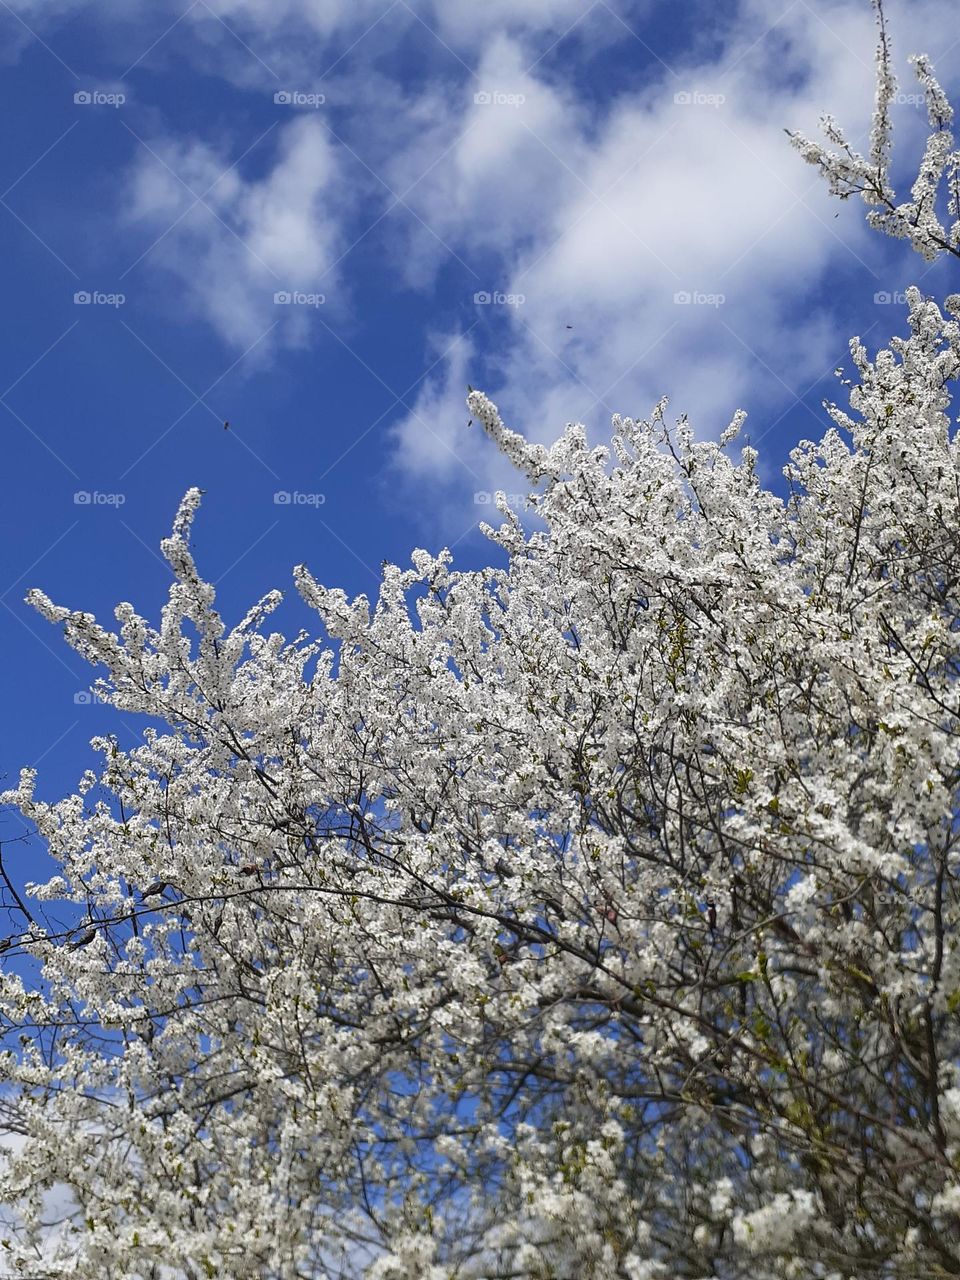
(252, 41)
(601, 223)
(459, 22)
(248, 238)
(598, 210)
(434, 439)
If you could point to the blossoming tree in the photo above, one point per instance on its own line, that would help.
(849, 173)
(593, 916)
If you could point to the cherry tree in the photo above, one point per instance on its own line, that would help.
(849, 173)
(594, 915)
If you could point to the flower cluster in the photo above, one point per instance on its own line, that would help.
(850, 173)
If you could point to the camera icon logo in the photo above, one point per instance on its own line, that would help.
(81, 298)
(483, 98)
(283, 97)
(481, 298)
(282, 498)
(282, 298)
(82, 97)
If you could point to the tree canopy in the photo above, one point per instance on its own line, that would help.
(591, 916)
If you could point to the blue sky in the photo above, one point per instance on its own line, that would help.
(584, 166)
